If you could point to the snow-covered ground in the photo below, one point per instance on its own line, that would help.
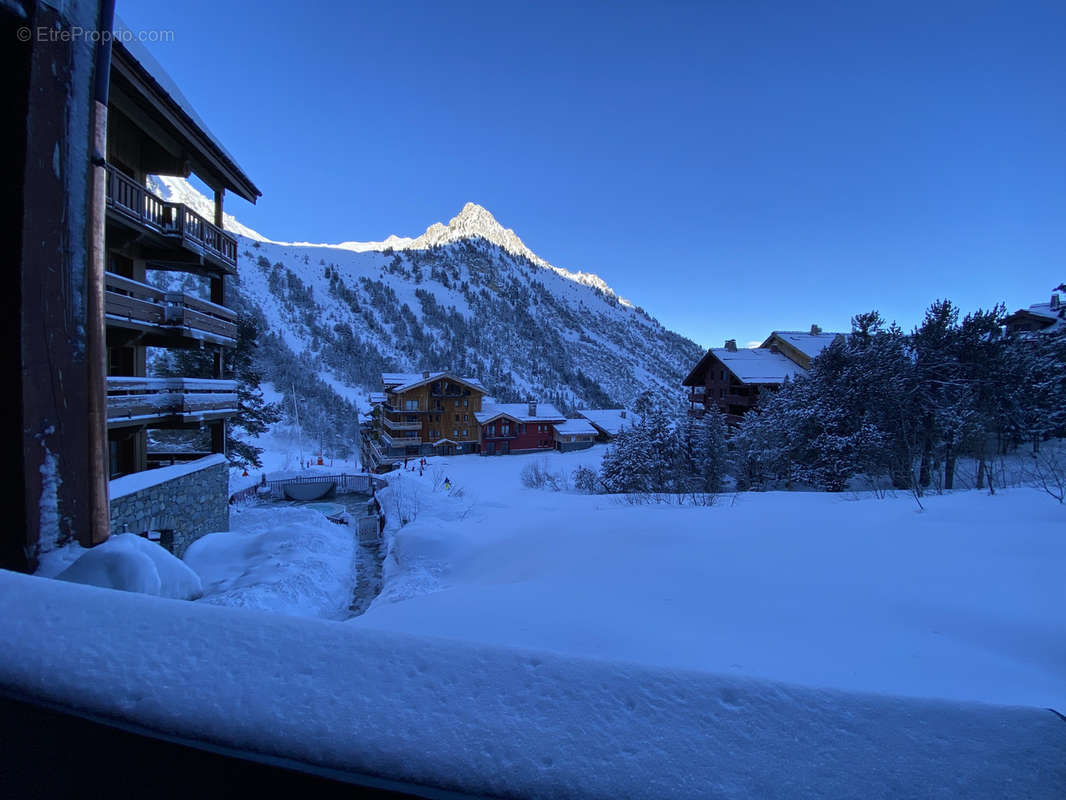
(285, 559)
(964, 600)
(550, 644)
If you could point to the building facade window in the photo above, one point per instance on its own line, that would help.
(410, 405)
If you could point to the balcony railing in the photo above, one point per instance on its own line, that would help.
(147, 400)
(397, 425)
(400, 441)
(130, 301)
(135, 203)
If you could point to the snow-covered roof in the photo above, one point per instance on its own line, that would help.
(1045, 310)
(402, 381)
(758, 364)
(135, 482)
(377, 397)
(810, 344)
(611, 420)
(575, 426)
(127, 39)
(519, 411)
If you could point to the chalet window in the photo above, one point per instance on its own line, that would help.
(723, 374)
(522, 428)
(410, 405)
(455, 432)
(491, 430)
(466, 417)
(505, 429)
(456, 417)
(464, 432)
(466, 403)
(457, 404)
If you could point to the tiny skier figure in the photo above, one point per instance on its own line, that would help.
(447, 484)
(405, 462)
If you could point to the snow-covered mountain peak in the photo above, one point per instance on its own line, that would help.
(472, 222)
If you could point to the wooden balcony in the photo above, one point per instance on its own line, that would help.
(177, 224)
(397, 425)
(168, 401)
(162, 317)
(739, 399)
(400, 441)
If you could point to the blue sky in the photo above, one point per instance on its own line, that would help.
(733, 167)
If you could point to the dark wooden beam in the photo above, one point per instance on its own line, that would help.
(49, 111)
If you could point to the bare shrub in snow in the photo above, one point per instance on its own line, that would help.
(1048, 472)
(538, 475)
(584, 480)
(405, 501)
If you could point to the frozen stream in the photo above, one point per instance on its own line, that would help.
(368, 558)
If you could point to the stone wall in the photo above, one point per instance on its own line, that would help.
(182, 508)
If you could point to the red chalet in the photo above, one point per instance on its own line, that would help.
(517, 427)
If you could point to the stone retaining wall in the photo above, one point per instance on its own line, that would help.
(182, 509)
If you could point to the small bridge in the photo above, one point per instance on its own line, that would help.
(345, 484)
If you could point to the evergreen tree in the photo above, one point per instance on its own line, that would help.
(254, 415)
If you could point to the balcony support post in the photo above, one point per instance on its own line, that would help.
(219, 194)
(96, 340)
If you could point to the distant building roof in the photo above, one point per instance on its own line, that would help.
(402, 381)
(611, 420)
(575, 426)
(377, 397)
(1050, 317)
(758, 364)
(810, 344)
(126, 40)
(519, 411)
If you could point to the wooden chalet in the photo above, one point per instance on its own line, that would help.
(733, 379)
(1047, 317)
(152, 130)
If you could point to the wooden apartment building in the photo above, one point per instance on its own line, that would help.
(152, 130)
(428, 413)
